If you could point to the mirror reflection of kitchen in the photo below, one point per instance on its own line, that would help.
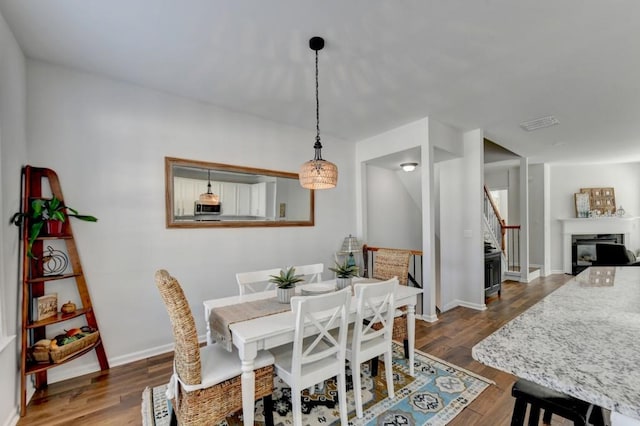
(205, 194)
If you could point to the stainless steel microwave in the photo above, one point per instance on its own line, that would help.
(206, 209)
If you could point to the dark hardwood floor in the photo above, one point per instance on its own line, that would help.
(114, 397)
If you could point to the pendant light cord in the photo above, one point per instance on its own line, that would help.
(317, 145)
(317, 103)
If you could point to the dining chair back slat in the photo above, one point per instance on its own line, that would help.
(318, 349)
(375, 305)
(311, 273)
(255, 281)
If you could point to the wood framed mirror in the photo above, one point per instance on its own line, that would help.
(200, 194)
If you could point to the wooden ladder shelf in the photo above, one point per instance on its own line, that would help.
(34, 280)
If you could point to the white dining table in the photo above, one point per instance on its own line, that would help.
(274, 330)
(582, 340)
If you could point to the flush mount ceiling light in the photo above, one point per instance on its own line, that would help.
(318, 173)
(539, 123)
(408, 167)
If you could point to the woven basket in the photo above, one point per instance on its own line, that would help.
(39, 356)
(61, 353)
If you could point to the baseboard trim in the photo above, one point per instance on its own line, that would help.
(114, 362)
(476, 306)
(455, 303)
(429, 318)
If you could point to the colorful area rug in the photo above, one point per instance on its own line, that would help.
(438, 393)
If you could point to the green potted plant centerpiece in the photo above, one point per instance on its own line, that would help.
(344, 274)
(286, 283)
(50, 214)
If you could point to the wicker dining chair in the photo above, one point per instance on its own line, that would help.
(389, 263)
(205, 386)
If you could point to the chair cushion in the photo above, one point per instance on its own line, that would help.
(219, 365)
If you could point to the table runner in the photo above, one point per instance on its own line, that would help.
(221, 318)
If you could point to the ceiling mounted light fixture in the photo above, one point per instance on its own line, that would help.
(209, 198)
(408, 167)
(318, 173)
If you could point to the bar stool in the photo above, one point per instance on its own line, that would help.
(526, 392)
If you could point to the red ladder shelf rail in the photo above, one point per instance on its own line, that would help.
(34, 281)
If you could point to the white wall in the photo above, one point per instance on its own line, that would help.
(415, 134)
(12, 157)
(536, 214)
(394, 220)
(496, 179)
(461, 237)
(568, 179)
(107, 140)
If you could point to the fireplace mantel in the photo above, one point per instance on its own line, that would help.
(628, 226)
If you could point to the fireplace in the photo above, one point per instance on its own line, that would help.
(608, 229)
(583, 249)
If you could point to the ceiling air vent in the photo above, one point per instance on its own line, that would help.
(539, 123)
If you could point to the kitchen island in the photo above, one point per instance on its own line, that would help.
(582, 340)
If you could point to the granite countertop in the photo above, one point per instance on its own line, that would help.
(583, 340)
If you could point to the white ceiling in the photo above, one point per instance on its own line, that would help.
(487, 64)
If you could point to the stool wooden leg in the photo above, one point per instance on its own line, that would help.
(519, 410)
(267, 402)
(546, 418)
(374, 367)
(534, 415)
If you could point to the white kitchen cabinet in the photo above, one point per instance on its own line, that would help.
(185, 194)
(244, 199)
(229, 198)
(259, 199)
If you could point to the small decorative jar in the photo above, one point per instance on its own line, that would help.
(68, 308)
(620, 212)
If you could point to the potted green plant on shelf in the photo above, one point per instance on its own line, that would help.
(344, 273)
(50, 214)
(286, 283)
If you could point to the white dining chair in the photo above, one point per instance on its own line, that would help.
(375, 304)
(316, 354)
(311, 273)
(256, 281)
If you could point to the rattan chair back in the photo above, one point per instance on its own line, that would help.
(389, 263)
(187, 349)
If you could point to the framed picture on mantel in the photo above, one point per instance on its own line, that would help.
(582, 204)
(602, 201)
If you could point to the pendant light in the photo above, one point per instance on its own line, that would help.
(318, 173)
(209, 198)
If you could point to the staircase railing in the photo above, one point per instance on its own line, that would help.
(512, 249)
(507, 235)
(495, 222)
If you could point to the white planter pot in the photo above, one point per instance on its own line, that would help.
(285, 294)
(343, 283)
